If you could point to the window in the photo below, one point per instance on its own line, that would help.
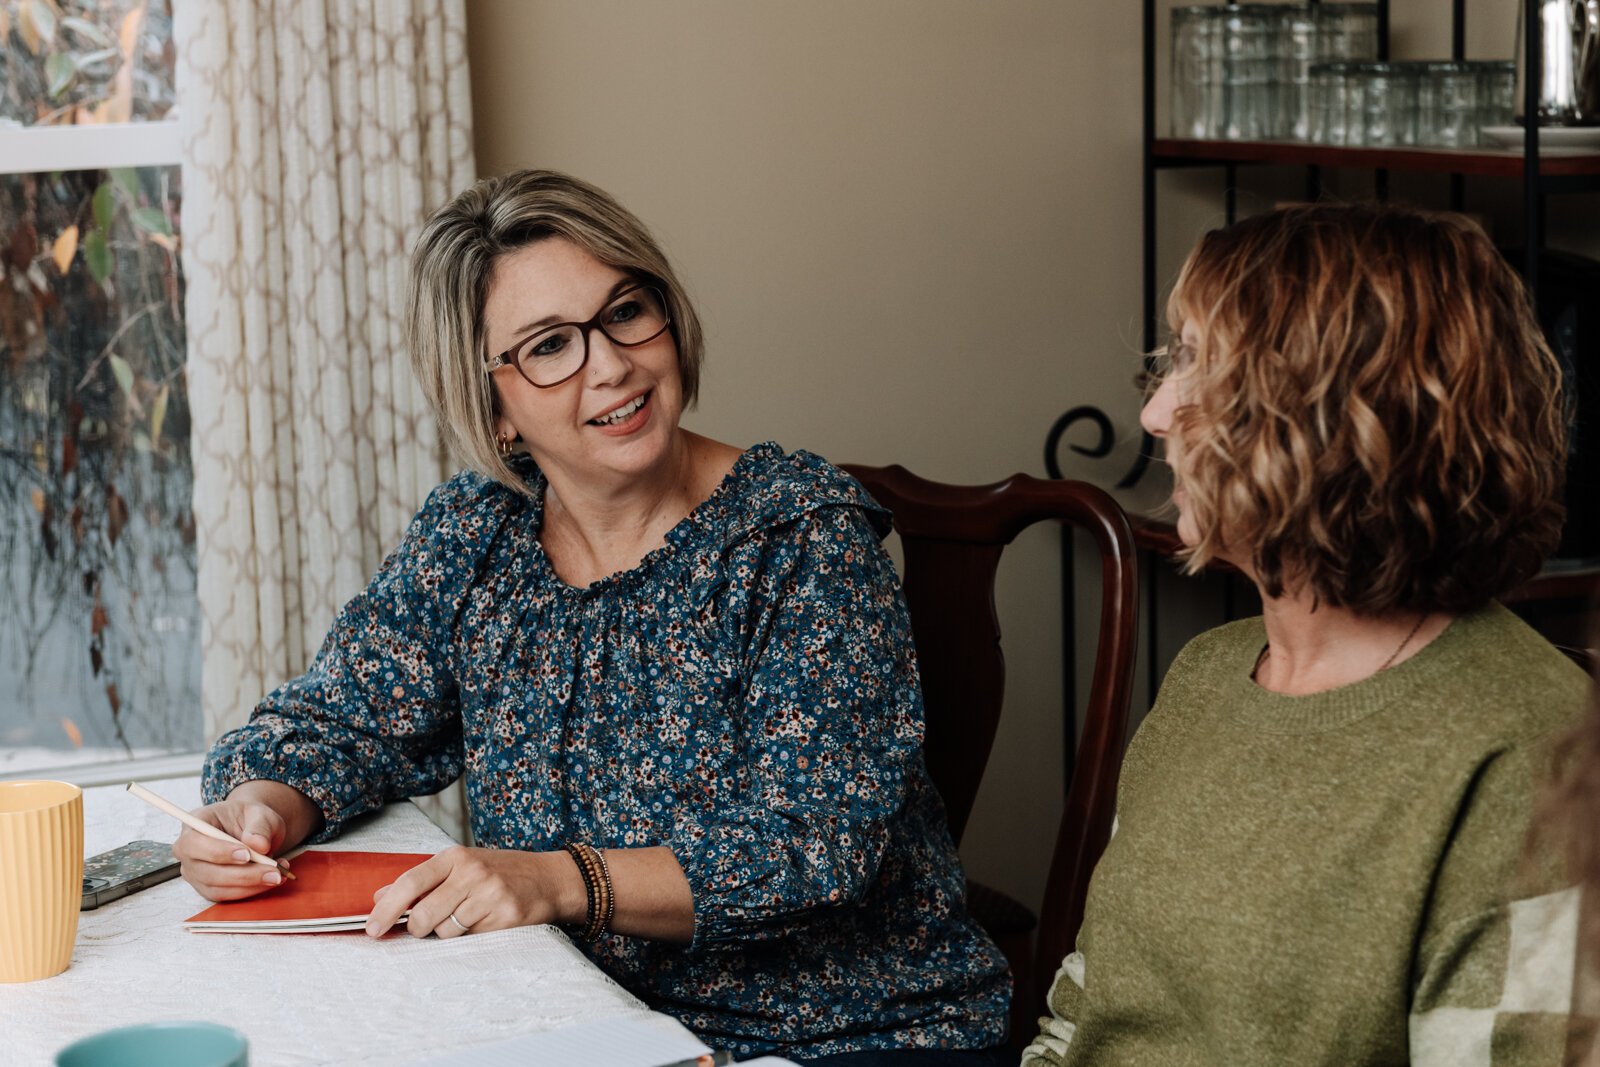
(99, 627)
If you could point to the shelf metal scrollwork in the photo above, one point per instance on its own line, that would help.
(1098, 450)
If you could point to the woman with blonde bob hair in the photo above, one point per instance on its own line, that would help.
(676, 676)
(1320, 822)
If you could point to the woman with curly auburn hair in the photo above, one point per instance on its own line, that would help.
(1320, 822)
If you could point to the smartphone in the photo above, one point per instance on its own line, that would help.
(126, 869)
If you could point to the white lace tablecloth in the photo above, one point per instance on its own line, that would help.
(301, 999)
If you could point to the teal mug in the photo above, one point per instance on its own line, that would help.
(159, 1045)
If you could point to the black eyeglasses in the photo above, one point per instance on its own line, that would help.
(555, 353)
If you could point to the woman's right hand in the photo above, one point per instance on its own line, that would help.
(267, 820)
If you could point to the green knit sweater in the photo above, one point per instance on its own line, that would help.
(1334, 878)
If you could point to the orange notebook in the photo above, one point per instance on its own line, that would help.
(331, 891)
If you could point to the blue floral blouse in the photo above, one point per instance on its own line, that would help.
(747, 696)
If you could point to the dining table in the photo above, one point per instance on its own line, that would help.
(301, 999)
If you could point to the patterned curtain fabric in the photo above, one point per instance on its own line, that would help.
(318, 134)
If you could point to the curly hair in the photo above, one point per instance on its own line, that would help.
(1372, 416)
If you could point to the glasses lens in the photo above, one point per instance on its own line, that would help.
(549, 357)
(635, 317)
(1174, 360)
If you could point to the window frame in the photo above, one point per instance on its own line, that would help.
(42, 149)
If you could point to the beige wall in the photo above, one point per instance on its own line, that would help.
(913, 228)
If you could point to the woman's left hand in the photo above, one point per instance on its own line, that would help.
(481, 889)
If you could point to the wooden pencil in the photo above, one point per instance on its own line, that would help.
(200, 826)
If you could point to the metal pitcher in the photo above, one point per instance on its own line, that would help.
(1569, 62)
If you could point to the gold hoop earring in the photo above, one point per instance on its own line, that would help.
(505, 444)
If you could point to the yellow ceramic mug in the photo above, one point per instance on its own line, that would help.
(41, 877)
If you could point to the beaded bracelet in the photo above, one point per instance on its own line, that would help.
(611, 896)
(596, 886)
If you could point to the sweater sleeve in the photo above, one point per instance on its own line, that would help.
(1056, 1030)
(831, 720)
(376, 716)
(1496, 966)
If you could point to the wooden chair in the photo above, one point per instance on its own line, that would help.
(952, 537)
(1583, 657)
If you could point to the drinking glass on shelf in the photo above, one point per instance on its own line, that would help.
(1355, 96)
(1497, 92)
(1346, 31)
(1246, 42)
(1448, 104)
(1196, 92)
(1297, 49)
(1380, 105)
(1326, 103)
(1427, 89)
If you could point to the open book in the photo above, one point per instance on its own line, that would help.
(330, 891)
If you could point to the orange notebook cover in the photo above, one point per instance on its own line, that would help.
(330, 891)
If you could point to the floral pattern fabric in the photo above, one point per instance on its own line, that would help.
(747, 696)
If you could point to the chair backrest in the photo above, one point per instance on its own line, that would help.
(1583, 657)
(952, 537)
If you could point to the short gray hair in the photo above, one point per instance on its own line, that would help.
(451, 265)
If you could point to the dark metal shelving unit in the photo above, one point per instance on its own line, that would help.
(1169, 154)
(1541, 175)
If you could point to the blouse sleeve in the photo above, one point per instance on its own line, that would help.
(832, 722)
(376, 717)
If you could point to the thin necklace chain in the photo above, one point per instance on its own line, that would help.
(1396, 653)
(1266, 649)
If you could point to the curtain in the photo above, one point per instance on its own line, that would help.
(318, 134)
